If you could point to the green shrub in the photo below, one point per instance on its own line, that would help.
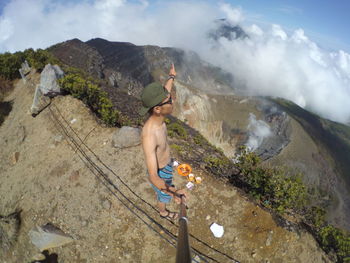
(215, 162)
(316, 216)
(199, 139)
(178, 148)
(11, 63)
(176, 129)
(91, 95)
(271, 185)
(39, 58)
(335, 239)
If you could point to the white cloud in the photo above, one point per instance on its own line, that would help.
(270, 62)
(277, 31)
(233, 15)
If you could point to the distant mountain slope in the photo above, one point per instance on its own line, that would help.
(225, 29)
(332, 136)
(130, 67)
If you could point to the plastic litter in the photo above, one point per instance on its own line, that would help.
(217, 230)
(48, 236)
(189, 185)
(198, 180)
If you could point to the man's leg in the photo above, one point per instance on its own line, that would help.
(162, 209)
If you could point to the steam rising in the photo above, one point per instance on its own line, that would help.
(258, 130)
(270, 62)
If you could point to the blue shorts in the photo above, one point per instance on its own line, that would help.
(165, 173)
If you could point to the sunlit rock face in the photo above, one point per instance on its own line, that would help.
(195, 108)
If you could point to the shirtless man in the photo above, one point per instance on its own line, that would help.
(157, 101)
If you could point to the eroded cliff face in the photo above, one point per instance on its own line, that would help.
(195, 108)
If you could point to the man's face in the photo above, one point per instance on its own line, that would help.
(166, 106)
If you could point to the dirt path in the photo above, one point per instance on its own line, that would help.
(50, 183)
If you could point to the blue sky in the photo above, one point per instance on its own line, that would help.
(326, 22)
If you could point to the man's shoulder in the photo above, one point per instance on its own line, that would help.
(147, 130)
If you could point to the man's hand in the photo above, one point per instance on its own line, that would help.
(172, 71)
(172, 74)
(177, 197)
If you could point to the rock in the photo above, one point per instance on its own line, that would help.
(24, 70)
(21, 134)
(126, 137)
(208, 217)
(106, 204)
(15, 158)
(269, 238)
(38, 257)
(48, 236)
(40, 102)
(58, 138)
(48, 80)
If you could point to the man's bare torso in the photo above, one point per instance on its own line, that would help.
(161, 142)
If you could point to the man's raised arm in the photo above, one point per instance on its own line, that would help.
(172, 74)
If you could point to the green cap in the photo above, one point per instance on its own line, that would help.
(152, 95)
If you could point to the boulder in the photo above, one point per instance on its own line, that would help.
(39, 102)
(48, 236)
(24, 70)
(126, 137)
(48, 80)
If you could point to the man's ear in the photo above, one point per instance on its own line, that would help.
(156, 109)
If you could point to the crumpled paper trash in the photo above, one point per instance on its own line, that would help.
(217, 230)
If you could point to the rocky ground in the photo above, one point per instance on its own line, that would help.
(41, 175)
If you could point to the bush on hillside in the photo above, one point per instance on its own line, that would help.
(175, 129)
(332, 238)
(39, 58)
(11, 63)
(272, 186)
(91, 95)
(5, 87)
